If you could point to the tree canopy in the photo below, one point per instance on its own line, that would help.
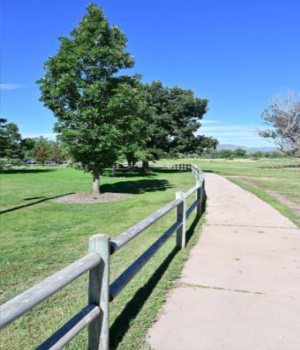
(93, 103)
(102, 114)
(10, 139)
(169, 119)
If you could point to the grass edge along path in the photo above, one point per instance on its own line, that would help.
(136, 307)
(284, 210)
(152, 296)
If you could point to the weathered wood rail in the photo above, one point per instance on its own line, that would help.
(96, 314)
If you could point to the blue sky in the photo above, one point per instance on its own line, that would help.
(235, 53)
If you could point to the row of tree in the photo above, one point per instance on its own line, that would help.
(102, 114)
(13, 146)
(238, 153)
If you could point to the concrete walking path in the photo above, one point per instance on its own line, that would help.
(240, 287)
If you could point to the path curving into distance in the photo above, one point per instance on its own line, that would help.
(240, 287)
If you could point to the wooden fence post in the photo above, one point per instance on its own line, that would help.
(199, 195)
(99, 293)
(181, 216)
(203, 190)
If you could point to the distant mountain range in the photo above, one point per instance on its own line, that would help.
(247, 149)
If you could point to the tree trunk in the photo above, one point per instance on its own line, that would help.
(113, 170)
(145, 165)
(96, 181)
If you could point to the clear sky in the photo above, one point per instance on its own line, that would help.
(235, 53)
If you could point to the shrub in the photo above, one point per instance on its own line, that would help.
(4, 165)
(16, 162)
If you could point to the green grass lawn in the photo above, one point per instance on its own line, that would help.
(277, 181)
(40, 237)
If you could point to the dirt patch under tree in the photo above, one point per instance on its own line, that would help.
(89, 198)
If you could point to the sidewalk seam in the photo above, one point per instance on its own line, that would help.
(182, 284)
(277, 227)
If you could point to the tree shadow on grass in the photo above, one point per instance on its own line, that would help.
(211, 171)
(26, 171)
(137, 187)
(169, 171)
(140, 173)
(129, 173)
(132, 309)
(29, 205)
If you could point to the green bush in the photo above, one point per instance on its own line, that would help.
(4, 165)
(16, 162)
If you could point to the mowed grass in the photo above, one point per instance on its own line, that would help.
(39, 237)
(276, 181)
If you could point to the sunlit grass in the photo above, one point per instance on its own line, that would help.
(40, 237)
(276, 181)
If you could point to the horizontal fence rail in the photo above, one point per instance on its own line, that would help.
(131, 233)
(24, 302)
(191, 191)
(96, 314)
(117, 286)
(192, 207)
(69, 331)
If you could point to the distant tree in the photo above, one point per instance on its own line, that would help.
(41, 155)
(225, 153)
(213, 153)
(93, 103)
(2, 137)
(258, 154)
(10, 139)
(274, 154)
(210, 154)
(239, 152)
(28, 148)
(56, 151)
(283, 120)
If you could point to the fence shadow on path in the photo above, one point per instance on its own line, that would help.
(30, 204)
(132, 309)
(137, 186)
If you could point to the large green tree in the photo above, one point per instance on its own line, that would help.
(170, 118)
(28, 148)
(239, 152)
(93, 103)
(10, 139)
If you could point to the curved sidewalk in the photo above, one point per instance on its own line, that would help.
(240, 287)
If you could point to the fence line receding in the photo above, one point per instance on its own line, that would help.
(96, 314)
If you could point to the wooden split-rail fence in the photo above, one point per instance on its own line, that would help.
(100, 292)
